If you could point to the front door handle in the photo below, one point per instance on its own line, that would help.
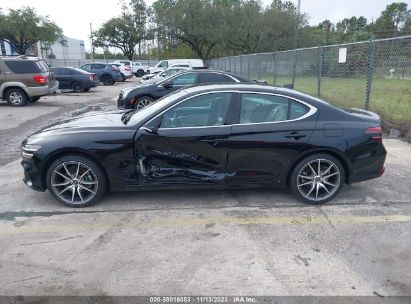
(212, 139)
(295, 135)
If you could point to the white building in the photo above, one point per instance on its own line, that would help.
(65, 48)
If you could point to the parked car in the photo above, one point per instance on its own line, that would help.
(125, 71)
(213, 136)
(138, 69)
(105, 72)
(25, 79)
(164, 64)
(152, 78)
(140, 96)
(75, 79)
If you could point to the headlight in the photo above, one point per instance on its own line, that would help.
(27, 150)
(126, 91)
(31, 148)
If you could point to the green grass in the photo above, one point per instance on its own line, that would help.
(391, 98)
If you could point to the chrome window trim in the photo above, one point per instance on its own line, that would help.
(311, 112)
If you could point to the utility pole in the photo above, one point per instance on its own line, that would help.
(296, 42)
(92, 43)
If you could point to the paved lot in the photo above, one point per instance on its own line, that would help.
(254, 242)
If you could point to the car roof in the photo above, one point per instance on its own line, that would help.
(20, 57)
(254, 87)
(198, 71)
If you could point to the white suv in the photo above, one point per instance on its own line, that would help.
(137, 69)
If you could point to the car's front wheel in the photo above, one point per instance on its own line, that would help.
(76, 181)
(143, 102)
(140, 73)
(16, 97)
(317, 179)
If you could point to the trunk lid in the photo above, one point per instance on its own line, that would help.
(364, 114)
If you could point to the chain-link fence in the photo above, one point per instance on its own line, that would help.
(374, 75)
(75, 63)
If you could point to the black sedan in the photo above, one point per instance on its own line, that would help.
(216, 136)
(142, 95)
(75, 79)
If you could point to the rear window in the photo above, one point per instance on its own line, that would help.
(43, 66)
(23, 67)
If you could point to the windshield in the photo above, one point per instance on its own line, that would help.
(146, 112)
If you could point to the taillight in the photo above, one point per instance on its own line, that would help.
(375, 133)
(40, 79)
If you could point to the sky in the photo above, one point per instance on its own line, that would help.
(75, 16)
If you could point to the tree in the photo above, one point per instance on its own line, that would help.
(196, 23)
(22, 28)
(124, 32)
(391, 20)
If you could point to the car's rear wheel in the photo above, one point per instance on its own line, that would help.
(140, 73)
(77, 87)
(317, 179)
(76, 181)
(16, 97)
(143, 102)
(107, 80)
(35, 98)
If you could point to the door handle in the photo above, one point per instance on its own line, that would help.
(212, 139)
(295, 135)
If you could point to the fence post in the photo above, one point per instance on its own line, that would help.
(249, 67)
(258, 67)
(274, 68)
(241, 65)
(371, 60)
(320, 70)
(294, 67)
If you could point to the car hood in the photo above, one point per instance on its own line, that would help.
(87, 123)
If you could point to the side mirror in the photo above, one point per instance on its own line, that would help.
(148, 130)
(167, 85)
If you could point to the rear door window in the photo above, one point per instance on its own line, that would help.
(185, 79)
(263, 108)
(214, 78)
(23, 67)
(97, 66)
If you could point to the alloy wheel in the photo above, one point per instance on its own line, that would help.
(143, 103)
(318, 180)
(16, 98)
(74, 182)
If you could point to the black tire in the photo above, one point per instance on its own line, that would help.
(95, 173)
(123, 78)
(16, 97)
(77, 87)
(86, 89)
(140, 73)
(35, 98)
(303, 178)
(107, 80)
(143, 101)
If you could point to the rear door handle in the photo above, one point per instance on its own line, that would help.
(295, 135)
